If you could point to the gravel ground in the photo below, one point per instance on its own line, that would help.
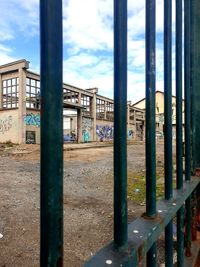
(88, 212)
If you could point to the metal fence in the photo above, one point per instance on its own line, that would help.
(134, 241)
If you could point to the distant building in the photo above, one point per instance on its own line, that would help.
(159, 103)
(88, 116)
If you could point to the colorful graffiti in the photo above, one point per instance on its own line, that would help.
(104, 132)
(87, 127)
(86, 136)
(130, 134)
(33, 119)
(5, 124)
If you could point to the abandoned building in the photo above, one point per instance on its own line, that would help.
(87, 116)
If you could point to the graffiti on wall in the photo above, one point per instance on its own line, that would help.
(86, 127)
(33, 119)
(5, 124)
(159, 134)
(130, 134)
(104, 132)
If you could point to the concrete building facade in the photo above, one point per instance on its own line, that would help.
(159, 101)
(87, 115)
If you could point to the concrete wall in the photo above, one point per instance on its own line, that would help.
(87, 129)
(9, 126)
(32, 120)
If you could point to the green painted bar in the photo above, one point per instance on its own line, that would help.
(187, 90)
(168, 97)
(179, 134)
(195, 81)
(187, 103)
(150, 109)
(51, 175)
(188, 226)
(143, 233)
(179, 97)
(120, 123)
(180, 237)
(150, 120)
(168, 123)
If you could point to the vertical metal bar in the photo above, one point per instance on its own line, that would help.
(192, 95)
(179, 134)
(168, 122)
(187, 120)
(120, 120)
(187, 101)
(150, 110)
(195, 80)
(180, 237)
(51, 250)
(168, 96)
(179, 97)
(195, 96)
(150, 120)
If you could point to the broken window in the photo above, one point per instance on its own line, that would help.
(32, 93)
(10, 93)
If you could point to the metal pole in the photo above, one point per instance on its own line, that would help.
(150, 120)
(179, 134)
(187, 120)
(150, 110)
(51, 56)
(168, 123)
(120, 121)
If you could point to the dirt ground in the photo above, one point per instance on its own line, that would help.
(88, 197)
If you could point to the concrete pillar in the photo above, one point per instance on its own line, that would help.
(22, 106)
(93, 103)
(105, 110)
(128, 113)
(134, 117)
(1, 93)
(79, 126)
(94, 115)
(79, 98)
(71, 123)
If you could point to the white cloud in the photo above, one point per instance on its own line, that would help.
(87, 25)
(88, 41)
(5, 55)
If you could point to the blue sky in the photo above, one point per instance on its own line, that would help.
(88, 42)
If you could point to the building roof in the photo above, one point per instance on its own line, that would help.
(157, 91)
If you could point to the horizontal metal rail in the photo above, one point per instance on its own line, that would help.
(143, 232)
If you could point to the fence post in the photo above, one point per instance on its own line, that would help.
(150, 120)
(120, 121)
(179, 132)
(51, 193)
(168, 123)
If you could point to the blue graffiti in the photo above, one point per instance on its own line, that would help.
(104, 132)
(130, 134)
(32, 119)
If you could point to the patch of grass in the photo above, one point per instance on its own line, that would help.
(137, 188)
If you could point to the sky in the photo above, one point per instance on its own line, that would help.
(88, 42)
